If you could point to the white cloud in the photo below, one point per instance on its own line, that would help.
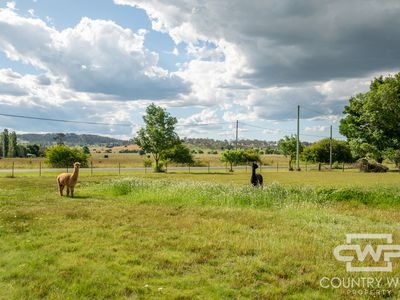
(317, 128)
(95, 56)
(31, 12)
(11, 5)
(205, 122)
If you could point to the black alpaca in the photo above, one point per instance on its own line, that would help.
(256, 179)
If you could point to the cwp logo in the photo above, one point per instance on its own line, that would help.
(354, 251)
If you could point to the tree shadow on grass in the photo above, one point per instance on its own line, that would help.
(78, 197)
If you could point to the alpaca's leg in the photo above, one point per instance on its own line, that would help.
(68, 191)
(72, 192)
(61, 188)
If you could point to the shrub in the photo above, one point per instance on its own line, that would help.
(60, 156)
(147, 163)
(160, 167)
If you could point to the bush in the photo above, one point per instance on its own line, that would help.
(160, 168)
(147, 163)
(320, 151)
(61, 156)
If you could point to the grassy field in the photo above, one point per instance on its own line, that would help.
(188, 236)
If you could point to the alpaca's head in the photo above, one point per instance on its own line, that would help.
(77, 165)
(255, 166)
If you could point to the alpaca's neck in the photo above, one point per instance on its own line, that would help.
(254, 171)
(75, 173)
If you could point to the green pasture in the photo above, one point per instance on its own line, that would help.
(188, 236)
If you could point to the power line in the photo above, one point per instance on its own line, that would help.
(64, 121)
(256, 126)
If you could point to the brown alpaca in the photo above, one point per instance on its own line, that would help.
(68, 180)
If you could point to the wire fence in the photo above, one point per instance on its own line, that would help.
(39, 168)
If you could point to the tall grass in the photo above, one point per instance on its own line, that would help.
(272, 195)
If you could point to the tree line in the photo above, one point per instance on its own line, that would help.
(9, 146)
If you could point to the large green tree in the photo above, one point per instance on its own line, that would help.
(288, 146)
(320, 151)
(158, 134)
(372, 122)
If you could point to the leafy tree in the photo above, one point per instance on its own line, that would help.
(251, 155)
(86, 150)
(159, 134)
(239, 156)
(60, 156)
(372, 122)
(393, 155)
(33, 149)
(288, 146)
(180, 154)
(233, 157)
(21, 151)
(319, 151)
(12, 144)
(5, 142)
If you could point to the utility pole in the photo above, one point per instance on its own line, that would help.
(237, 133)
(330, 149)
(298, 140)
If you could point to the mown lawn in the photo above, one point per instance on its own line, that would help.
(178, 238)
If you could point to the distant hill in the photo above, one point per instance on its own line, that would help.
(207, 143)
(71, 139)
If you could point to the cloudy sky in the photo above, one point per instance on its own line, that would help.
(207, 61)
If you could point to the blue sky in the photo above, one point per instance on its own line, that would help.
(205, 61)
